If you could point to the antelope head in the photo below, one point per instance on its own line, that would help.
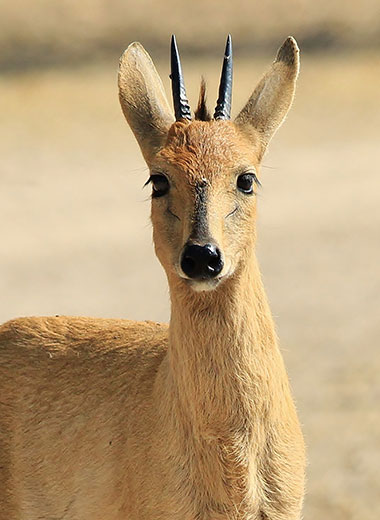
(204, 170)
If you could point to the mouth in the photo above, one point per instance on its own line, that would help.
(203, 284)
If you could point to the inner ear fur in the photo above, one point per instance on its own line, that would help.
(143, 101)
(270, 102)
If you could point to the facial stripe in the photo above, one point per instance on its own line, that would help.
(200, 230)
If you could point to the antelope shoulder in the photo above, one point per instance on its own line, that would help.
(77, 363)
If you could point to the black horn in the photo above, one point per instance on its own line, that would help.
(180, 102)
(223, 105)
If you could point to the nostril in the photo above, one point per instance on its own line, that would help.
(201, 262)
(214, 261)
(188, 265)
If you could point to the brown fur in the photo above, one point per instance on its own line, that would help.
(117, 420)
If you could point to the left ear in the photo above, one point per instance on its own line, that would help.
(270, 102)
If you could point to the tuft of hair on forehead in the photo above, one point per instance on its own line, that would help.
(202, 113)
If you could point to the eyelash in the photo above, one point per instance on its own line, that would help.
(257, 182)
(156, 177)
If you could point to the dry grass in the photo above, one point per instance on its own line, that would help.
(76, 240)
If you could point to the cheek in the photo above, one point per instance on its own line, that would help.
(238, 232)
(166, 234)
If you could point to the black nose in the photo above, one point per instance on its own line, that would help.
(201, 262)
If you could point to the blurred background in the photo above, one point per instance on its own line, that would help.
(74, 219)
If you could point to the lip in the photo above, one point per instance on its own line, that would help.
(206, 285)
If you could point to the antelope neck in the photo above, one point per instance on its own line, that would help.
(218, 343)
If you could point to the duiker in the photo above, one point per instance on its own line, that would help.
(119, 420)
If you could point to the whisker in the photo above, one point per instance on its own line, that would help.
(139, 169)
(270, 167)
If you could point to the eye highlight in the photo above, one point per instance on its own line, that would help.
(246, 181)
(160, 185)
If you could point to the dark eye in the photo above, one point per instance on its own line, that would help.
(245, 182)
(160, 185)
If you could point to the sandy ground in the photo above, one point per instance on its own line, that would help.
(76, 240)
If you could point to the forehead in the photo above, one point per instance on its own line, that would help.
(205, 149)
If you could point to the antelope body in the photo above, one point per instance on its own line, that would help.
(119, 420)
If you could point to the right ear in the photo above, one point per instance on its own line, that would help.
(143, 100)
(268, 105)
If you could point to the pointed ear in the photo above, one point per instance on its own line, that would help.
(268, 105)
(143, 99)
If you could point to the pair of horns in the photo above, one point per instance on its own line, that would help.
(181, 105)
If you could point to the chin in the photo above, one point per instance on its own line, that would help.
(207, 285)
(204, 285)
